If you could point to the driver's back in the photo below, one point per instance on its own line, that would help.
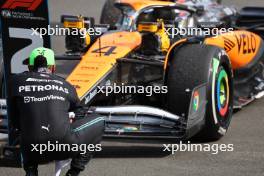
(41, 103)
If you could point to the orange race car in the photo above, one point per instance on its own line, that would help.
(164, 69)
(199, 77)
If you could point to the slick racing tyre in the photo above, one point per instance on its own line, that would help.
(194, 65)
(110, 14)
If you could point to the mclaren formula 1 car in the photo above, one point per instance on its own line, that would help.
(146, 78)
(203, 77)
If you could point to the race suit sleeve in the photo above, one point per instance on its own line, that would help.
(13, 113)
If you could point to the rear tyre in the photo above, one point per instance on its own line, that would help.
(194, 65)
(110, 14)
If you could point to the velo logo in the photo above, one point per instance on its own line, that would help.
(28, 4)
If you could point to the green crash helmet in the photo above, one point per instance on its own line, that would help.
(45, 52)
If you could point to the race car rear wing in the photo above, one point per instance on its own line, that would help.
(251, 18)
(251, 15)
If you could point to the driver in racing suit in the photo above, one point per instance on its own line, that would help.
(40, 103)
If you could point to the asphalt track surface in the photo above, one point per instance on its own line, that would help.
(119, 159)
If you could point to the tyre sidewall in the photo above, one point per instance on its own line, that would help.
(216, 125)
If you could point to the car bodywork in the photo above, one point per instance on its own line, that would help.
(116, 58)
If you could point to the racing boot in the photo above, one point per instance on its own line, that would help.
(73, 172)
(31, 171)
(78, 164)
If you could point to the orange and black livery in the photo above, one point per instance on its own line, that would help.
(206, 76)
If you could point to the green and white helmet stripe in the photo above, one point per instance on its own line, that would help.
(47, 53)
